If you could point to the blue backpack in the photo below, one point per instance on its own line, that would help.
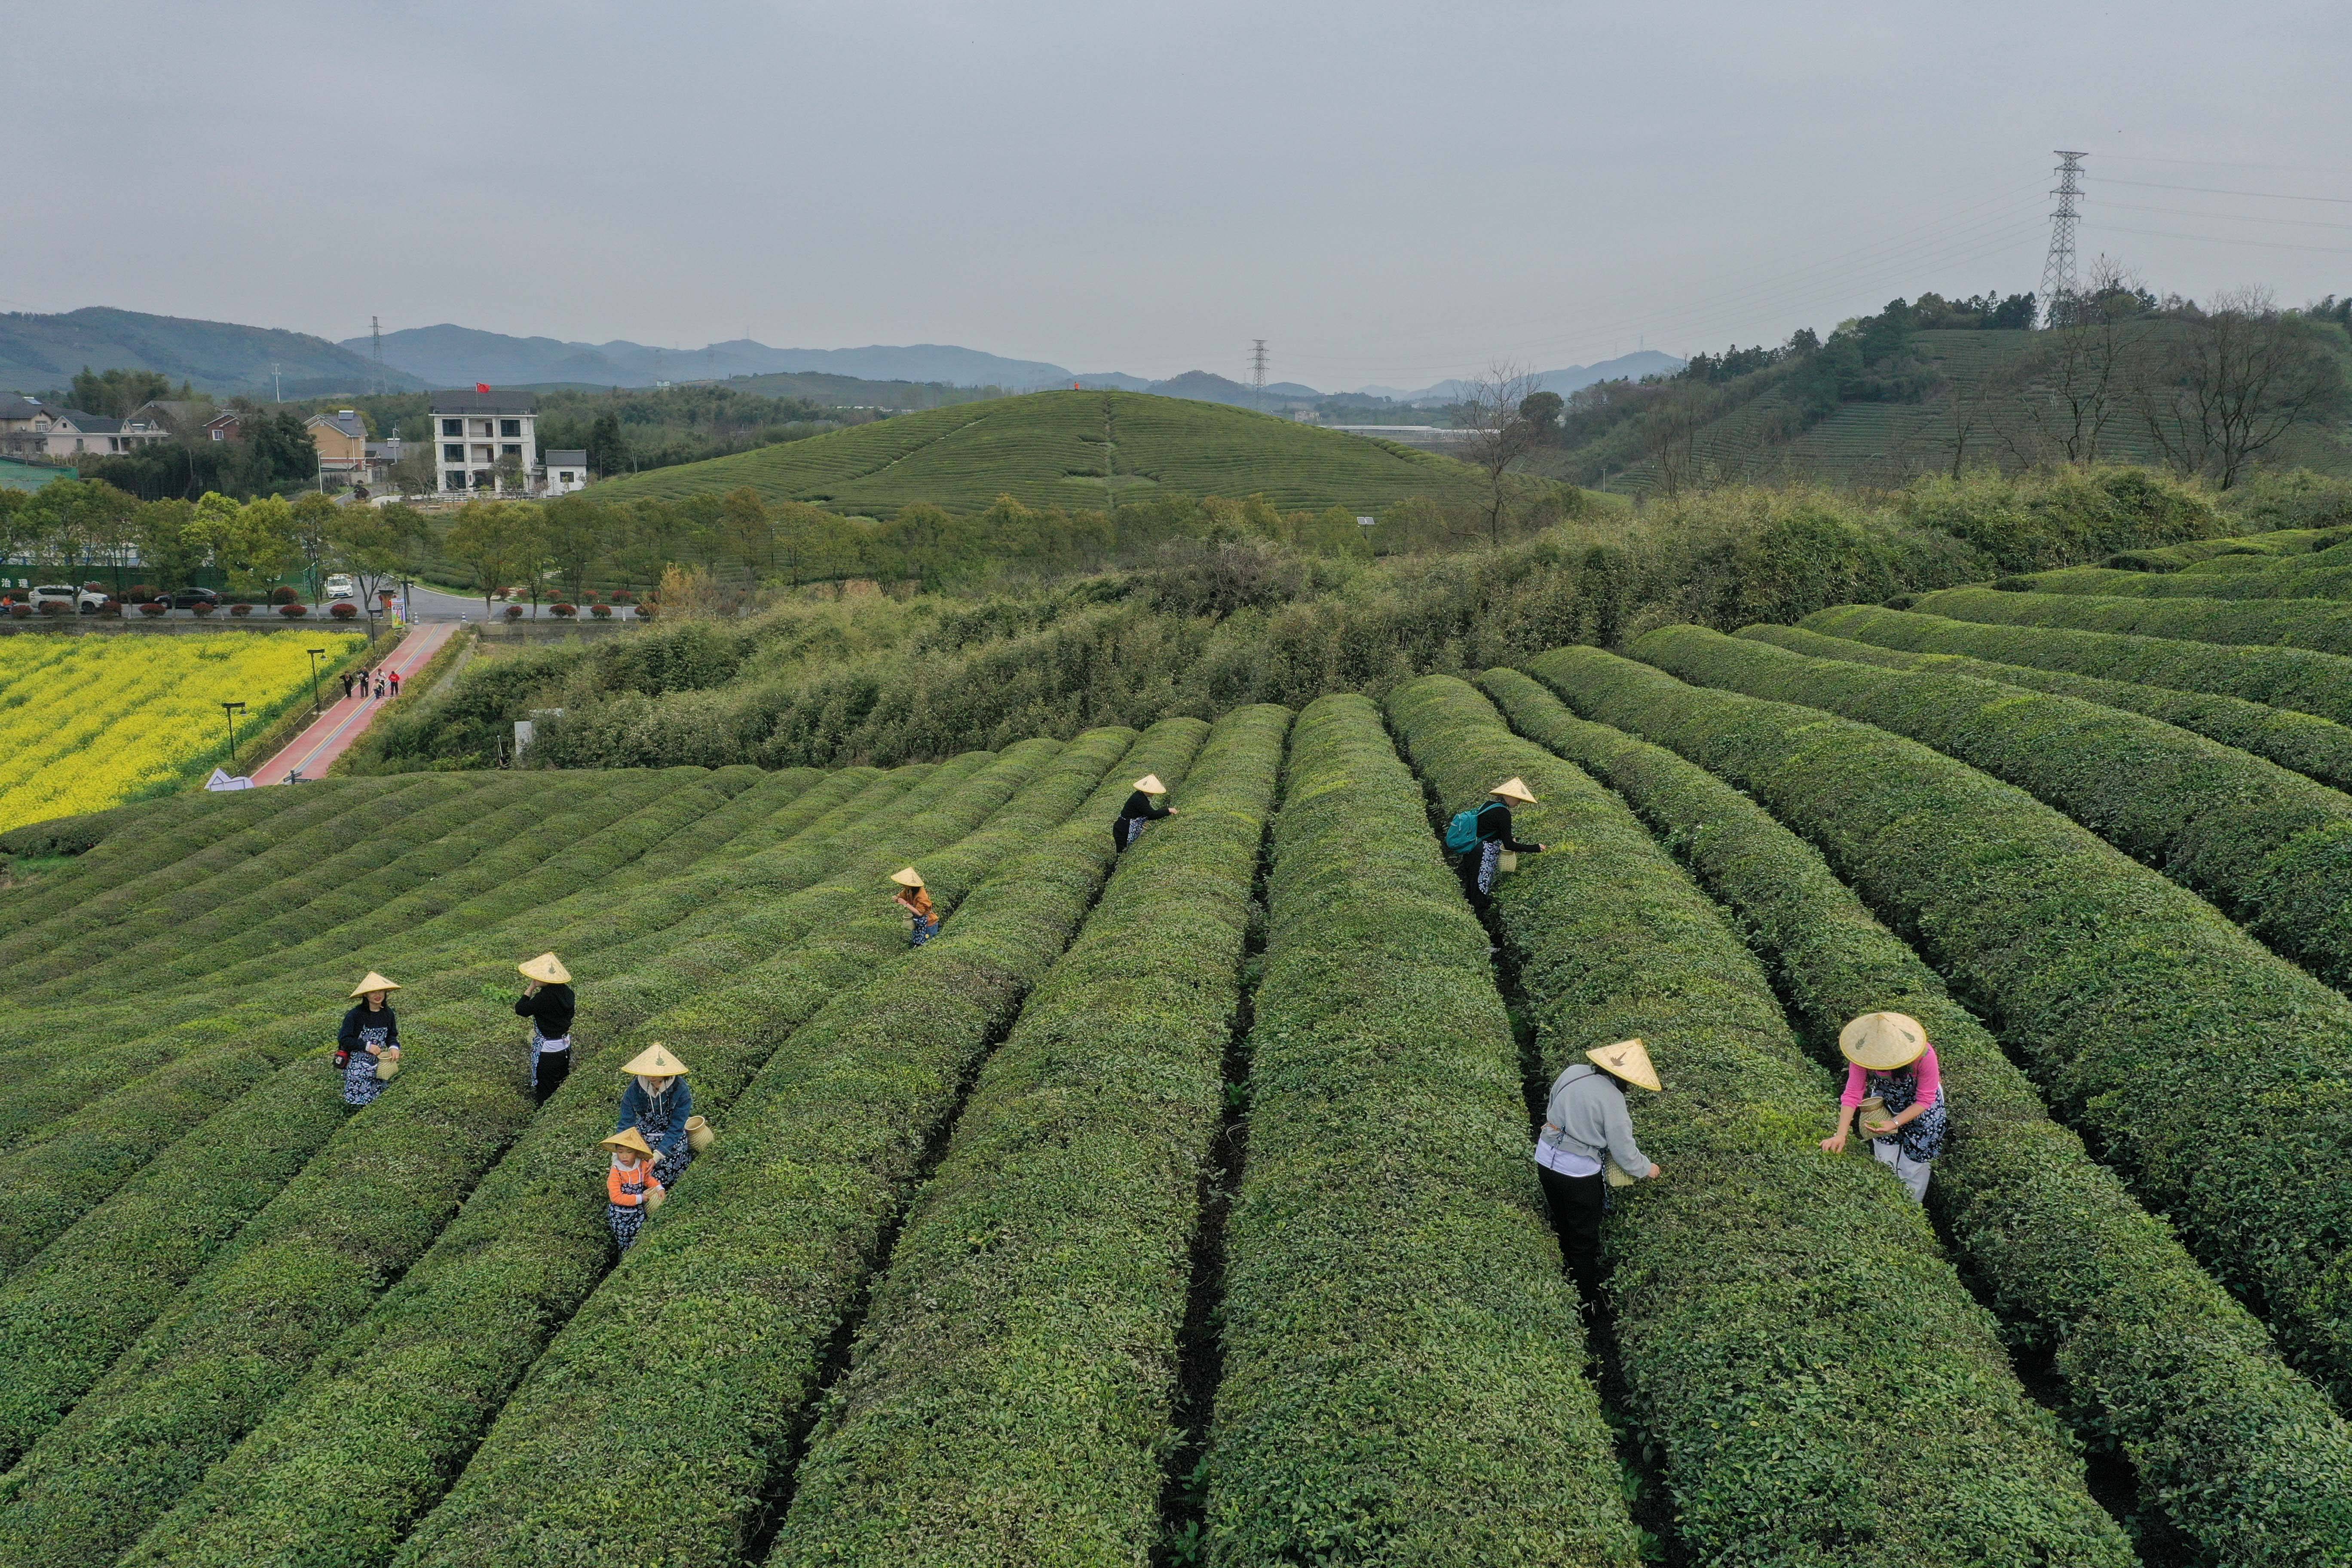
(1461, 833)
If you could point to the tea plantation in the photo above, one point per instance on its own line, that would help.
(1174, 1206)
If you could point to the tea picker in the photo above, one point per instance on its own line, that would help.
(1140, 811)
(1479, 839)
(1587, 1146)
(658, 1105)
(1893, 1085)
(367, 1048)
(915, 900)
(549, 1002)
(630, 1189)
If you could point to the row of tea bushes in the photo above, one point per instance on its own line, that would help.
(1403, 1363)
(449, 1343)
(2268, 846)
(2206, 1070)
(2282, 579)
(2316, 748)
(1764, 1291)
(1011, 1402)
(2321, 625)
(2287, 677)
(357, 1217)
(755, 1267)
(2246, 1458)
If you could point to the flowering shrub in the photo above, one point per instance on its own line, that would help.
(514, 612)
(282, 594)
(562, 609)
(240, 608)
(342, 609)
(201, 607)
(294, 612)
(151, 607)
(601, 612)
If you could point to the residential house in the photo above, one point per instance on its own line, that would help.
(32, 428)
(227, 425)
(480, 432)
(567, 471)
(342, 439)
(166, 419)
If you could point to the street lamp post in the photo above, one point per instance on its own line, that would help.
(229, 710)
(316, 654)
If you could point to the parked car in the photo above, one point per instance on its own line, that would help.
(83, 601)
(189, 598)
(340, 587)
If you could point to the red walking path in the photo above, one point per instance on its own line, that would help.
(336, 728)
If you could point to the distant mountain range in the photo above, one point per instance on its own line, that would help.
(1629, 367)
(450, 355)
(38, 353)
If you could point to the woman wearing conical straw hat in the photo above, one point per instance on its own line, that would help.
(1892, 1081)
(370, 1038)
(630, 1186)
(549, 1002)
(1484, 858)
(657, 1103)
(1142, 810)
(1587, 1146)
(915, 900)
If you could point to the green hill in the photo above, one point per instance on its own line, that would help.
(1069, 450)
(40, 353)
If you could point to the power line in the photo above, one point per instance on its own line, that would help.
(2225, 218)
(2216, 191)
(2225, 239)
(2058, 270)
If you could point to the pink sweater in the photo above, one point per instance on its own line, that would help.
(1931, 1081)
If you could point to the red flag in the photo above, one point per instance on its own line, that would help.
(481, 387)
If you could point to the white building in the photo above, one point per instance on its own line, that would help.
(477, 433)
(567, 471)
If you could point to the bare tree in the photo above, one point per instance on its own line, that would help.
(2074, 383)
(1672, 440)
(2226, 384)
(1500, 433)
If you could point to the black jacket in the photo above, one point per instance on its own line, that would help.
(359, 1023)
(1494, 826)
(1138, 804)
(551, 1010)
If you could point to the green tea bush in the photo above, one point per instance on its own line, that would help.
(2246, 1458)
(448, 1344)
(1012, 1404)
(754, 1266)
(2318, 748)
(2290, 579)
(2272, 848)
(1754, 1236)
(1404, 1366)
(2201, 1066)
(318, 1252)
(2316, 624)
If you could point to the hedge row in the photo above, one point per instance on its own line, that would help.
(2290, 678)
(1754, 1236)
(446, 1346)
(752, 1269)
(1405, 1367)
(2272, 848)
(2316, 748)
(2261, 548)
(2244, 1458)
(356, 1217)
(2282, 580)
(52, 1184)
(2206, 1071)
(1013, 1403)
(2319, 624)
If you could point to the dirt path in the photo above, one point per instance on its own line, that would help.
(343, 722)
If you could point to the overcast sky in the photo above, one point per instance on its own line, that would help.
(1387, 193)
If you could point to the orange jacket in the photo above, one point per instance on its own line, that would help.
(627, 1185)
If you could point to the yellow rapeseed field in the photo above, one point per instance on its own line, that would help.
(87, 723)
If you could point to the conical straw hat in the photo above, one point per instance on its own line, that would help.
(1514, 789)
(1149, 784)
(908, 877)
(654, 1061)
(631, 1140)
(547, 969)
(374, 981)
(1881, 1042)
(1629, 1059)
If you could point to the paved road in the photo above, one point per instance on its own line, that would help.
(432, 605)
(344, 720)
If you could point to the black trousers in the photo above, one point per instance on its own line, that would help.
(1466, 870)
(1576, 1204)
(548, 1071)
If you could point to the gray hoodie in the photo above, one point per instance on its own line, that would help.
(1586, 1115)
